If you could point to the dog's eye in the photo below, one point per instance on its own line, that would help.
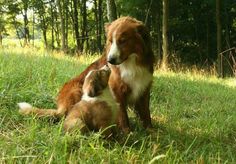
(123, 40)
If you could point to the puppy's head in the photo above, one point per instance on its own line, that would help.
(96, 81)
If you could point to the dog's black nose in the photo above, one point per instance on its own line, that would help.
(112, 60)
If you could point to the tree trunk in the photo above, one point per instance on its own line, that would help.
(159, 34)
(52, 24)
(218, 26)
(76, 23)
(44, 30)
(111, 10)
(165, 35)
(45, 37)
(17, 32)
(56, 29)
(60, 4)
(84, 25)
(26, 29)
(227, 26)
(66, 16)
(97, 15)
(99, 36)
(33, 22)
(96, 21)
(0, 38)
(207, 39)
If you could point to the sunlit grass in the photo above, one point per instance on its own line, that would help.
(193, 113)
(198, 76)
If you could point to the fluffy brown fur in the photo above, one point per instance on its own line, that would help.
(129, 54)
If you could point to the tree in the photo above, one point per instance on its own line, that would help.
(111, 10)
(76, 23)
(84, 28)
(2, 23)
(24, 11)
(218, 26)
(100, 24)
(41, 10)
(188, 29)
(165, 35)
(2, 29)
(60, 5)
(52, 12)
(13, 10)
(98, 19)
(66, 18)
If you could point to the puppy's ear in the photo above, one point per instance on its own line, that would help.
(91, 92)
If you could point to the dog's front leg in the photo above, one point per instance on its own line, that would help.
(142, 109)
(123, 120)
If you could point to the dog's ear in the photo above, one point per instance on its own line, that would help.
(107, 25)
(143, 32)
(96, 88)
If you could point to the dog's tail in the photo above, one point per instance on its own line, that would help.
(27, 109)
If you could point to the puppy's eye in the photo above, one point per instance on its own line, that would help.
(110, 41)
(103, 73)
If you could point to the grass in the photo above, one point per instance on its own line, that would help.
(194, 116)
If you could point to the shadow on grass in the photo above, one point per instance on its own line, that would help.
(192, 119)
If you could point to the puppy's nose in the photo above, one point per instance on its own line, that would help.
(105, 67)
(112, 60)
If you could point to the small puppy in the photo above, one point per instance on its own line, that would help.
(97, 109)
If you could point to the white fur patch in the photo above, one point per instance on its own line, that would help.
(137, 77)
(114, 51)
(24, 105)
(87, 98)
(88, 74)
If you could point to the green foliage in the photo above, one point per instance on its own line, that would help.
(139, 8)
(191, 31)
(194, 117)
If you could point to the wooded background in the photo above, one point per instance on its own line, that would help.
(192, 31)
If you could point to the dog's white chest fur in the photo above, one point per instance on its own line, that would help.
(138, 78)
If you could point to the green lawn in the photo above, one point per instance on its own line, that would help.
(194, 117)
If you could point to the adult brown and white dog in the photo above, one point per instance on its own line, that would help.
(131, 59)
(129, 54)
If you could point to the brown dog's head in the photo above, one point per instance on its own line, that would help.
(127, 36)
(96, 81)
